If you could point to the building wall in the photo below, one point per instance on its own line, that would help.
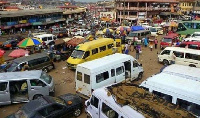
(130, 9)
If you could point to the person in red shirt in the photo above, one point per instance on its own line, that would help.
(156, 43)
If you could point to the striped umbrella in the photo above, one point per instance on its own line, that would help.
(29, 42)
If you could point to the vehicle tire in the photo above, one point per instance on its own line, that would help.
(191, 65)
(140, 76)
(53, 66)
(45, 70)
(165, 62)
(77, 112)
(37, 96)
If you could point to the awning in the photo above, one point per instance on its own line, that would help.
(168, 13)
(37, 23)
(59, 20)
(70, 19)
(165, 13)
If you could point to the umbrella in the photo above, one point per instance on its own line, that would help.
(29, 42)
(18, 53)
(107, 30)
(121, 28)
(1, 52)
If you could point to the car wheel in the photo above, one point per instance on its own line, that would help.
(46, 70)
(165, 62)
(37, 96)
(140, 76)
(77, 112)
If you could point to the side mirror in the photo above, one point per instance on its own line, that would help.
(43, 85)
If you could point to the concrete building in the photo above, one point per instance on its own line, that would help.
(196, 8)
(186, 6)
(132, 9)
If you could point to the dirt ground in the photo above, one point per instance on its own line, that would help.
(64, 78)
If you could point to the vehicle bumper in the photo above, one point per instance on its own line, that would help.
(71, 66)
(82, 95)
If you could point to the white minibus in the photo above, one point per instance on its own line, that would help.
(105, 71)
(130, 101)
(179, 90)
(183, 71)
(47, 38)
(184, 56)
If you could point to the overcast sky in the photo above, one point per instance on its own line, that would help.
(90, 0)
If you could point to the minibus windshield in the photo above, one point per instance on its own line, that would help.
(77, 54)
(153, 30)
(47, 78)
(11, 67)
(132, 34)
(166, 40)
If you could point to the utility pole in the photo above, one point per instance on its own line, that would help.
(124, 13)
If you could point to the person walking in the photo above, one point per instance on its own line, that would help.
(137, 52)
(129, 45)
(156, 43)
(173, 57)
(145, 42)
(126, 49)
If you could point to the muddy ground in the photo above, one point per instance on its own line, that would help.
(64, 78)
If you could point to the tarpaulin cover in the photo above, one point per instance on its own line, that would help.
(136, 28)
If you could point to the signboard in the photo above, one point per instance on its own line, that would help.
(110, 15)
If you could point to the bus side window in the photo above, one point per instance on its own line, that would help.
(179, 54)
(183, 103)
(164, 96)
(87, 54)
(109, 112)
(102, 76)
(166, 52)
(94, 102)
(103, 48)
(112, 72)
(192, 56)
(94, 51)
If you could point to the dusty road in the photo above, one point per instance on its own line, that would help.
(64, 78)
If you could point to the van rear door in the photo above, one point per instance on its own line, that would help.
(120, 73)
(83, 84)
(4, 93)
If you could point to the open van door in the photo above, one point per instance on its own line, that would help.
(120, 73)
(4, 93)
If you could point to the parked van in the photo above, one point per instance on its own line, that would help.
(139, 34)
(33, 62)
(183, 71)
(92, 50)
(192, 39)
(179, 90)
(130, 101)
(184, 56)
(47, 38)
(105, 71)
(156, 30)
(190, 44)
(16, 87)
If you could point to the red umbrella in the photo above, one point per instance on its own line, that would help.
(18, 53)
(1, 52)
